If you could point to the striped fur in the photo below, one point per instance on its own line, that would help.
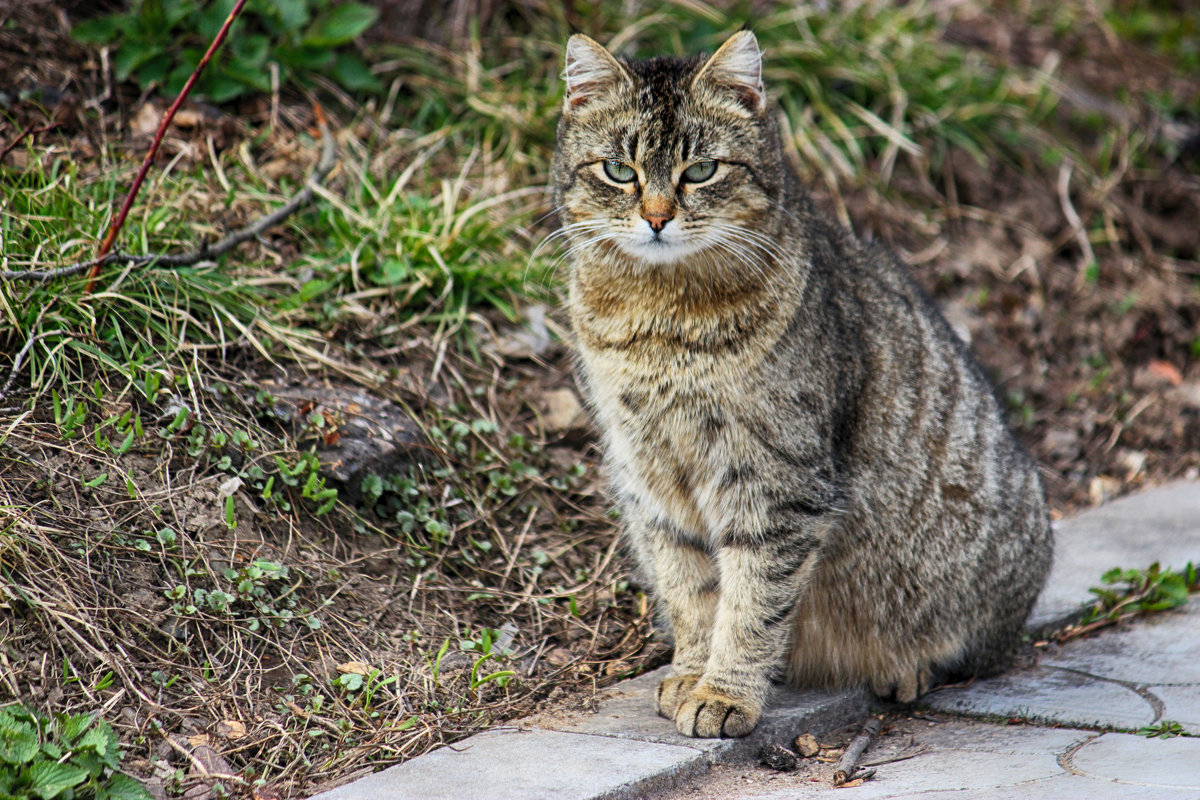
(813, 472)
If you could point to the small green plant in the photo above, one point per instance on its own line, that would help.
(158, 44)
(1145, 590)
(484, 646)
(364, 685)
(67, 757)
(257, 595)
(1167, 729)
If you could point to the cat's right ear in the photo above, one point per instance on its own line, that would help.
(590, 72)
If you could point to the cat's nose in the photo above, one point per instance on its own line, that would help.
(658, 221)
(658, 211)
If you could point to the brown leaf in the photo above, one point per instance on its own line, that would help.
(559, 657)
(1166, 371)
(231, 729)
(563, 411)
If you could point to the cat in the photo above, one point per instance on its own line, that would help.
(813, 473)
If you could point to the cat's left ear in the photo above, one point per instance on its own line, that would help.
(736, 69)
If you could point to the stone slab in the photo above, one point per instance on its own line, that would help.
(627, 712)
(512, 764)
(1159, 648)
(1139, 761)
(1045, 694)
(969, 760)
(1158, 525)
(1180, 704)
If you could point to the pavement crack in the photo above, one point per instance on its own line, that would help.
(1064, 758)
(1141, 690)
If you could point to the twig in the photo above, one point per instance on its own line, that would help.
(24, 351)
(165, 123)
(848, 765)
(206, 251)
(29, 131)
(1064, 198)
(912, 751)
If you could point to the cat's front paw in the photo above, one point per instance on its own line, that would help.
(707, 713)
(672, 692)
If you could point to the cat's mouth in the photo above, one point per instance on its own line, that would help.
(660, 247)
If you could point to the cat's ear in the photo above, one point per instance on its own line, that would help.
(590, 71)
(736, 69)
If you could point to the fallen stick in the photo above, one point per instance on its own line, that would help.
(848, 764)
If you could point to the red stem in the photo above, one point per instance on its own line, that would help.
(119, 222)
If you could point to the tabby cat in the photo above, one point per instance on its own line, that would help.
(812, 471)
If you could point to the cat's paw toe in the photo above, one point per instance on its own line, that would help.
(905, 689)
(707, 714)
(672, 692)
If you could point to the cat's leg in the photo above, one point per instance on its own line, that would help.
(762, 579)
(686, 583)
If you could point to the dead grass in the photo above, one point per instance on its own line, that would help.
(238, 638)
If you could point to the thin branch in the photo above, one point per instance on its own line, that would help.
(1081, 237)
(205, 251)
(106, 245)
(29, 131)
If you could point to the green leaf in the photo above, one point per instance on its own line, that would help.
(123, 787)
(49, 779)
(99, 30)
(340, 24)
(101, 739)
(353, 75)
(131, 56)
(18, 742)
(292, 13)
(72, 726)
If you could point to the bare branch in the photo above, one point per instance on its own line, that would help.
(205, 251)
(113, 230)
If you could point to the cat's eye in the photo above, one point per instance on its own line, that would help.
(619, 171)
(700, 171)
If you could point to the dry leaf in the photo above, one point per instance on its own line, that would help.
(187, 118)
(145, 121)
(559, 657)
(355, 668)
(1166, 371)
(231, 729)
(563, 410)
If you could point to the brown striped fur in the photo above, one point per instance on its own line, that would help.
(813, 472)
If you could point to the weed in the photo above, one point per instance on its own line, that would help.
(158, 44)
(71, 755)
(1167, 729)
(1146, 590)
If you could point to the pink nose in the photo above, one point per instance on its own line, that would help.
(658, 221)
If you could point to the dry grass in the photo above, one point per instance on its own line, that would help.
(248, 639)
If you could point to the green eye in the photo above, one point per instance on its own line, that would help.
(700, 171)
(619, 171)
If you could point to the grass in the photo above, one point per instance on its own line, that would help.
(180, 544)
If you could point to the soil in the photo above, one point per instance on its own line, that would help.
(1099, 366)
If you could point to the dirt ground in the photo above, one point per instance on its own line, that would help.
(1099, 365)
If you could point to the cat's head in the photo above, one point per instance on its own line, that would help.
(665, 160)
